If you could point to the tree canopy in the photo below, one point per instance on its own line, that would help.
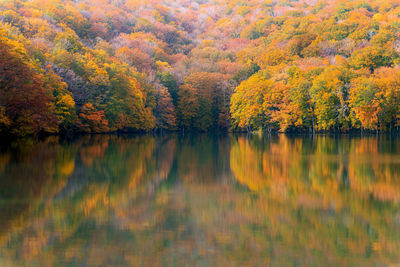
(105, 66)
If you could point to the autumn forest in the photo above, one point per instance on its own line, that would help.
(99, 66)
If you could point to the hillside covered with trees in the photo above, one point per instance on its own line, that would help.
(97, 66)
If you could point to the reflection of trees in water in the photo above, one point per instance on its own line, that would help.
(202, 158)
(57, 188)
(336, 196)
(30, 173)
(324, 165)
(122, 182)
(127, 200)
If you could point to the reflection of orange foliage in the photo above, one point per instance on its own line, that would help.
(92, 120)
(386, 192)
(309, 200)
(245, 164)
(97, 197)
(136, 176)
(96, 150)
(34, 245)
(373, 173)
(166, 159)
(67, 168)
(259, 169)
(282, 168)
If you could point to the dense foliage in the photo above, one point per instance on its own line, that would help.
(129, 65)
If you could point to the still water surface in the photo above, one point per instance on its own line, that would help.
(200, 200)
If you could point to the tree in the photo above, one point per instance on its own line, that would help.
(168, 81)
(92, 120)
(25, 104)
(329, 97)
(247, 103)
(165, 111)
(210, 91)
(64, 104)
(300, 108)
(387, 80)
(364, 105)
(187, 106)
(375, 100)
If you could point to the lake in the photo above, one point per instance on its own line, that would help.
(200, 200)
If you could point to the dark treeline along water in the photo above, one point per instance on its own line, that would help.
(173, 200)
